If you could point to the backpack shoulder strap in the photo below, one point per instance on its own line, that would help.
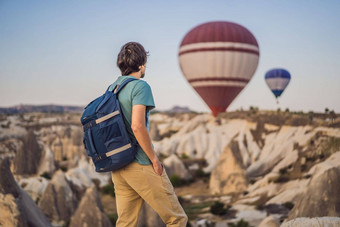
(119, 87)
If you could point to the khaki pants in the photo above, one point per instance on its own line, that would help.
(135, 183)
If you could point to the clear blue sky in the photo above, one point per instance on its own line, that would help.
(64, 52)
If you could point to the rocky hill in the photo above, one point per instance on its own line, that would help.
(258, 164)
(254, 167)
(19, 109)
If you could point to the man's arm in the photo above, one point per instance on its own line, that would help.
(142, 135)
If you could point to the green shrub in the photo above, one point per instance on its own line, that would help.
(281, 179)
(201, 173)
(181, 200)
(46, 175)
(176, 181)
(218, 208)
(252, 181)
(289, 205)
(67, 223)
(109, 189)
(193, 210)
(240, 223)
(303, 167)
(283, 170)
(307, 176)
(113, 218)
(184, 156)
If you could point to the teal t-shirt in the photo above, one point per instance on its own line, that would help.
(134, 93)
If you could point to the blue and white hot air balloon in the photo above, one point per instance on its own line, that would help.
(277, 80)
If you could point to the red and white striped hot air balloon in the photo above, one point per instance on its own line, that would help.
(218, 59)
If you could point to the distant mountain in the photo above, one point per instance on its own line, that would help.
(179, 109)
(40, 108)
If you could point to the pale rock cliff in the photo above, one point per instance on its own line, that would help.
(148, 217)
(174, 166)
(229, 173)
(321, 196)
(313, 222)
(58, 201)
(90, 211)
(16, 207)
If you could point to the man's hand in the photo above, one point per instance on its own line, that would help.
(157, 167)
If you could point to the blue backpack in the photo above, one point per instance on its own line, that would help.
(106, 139)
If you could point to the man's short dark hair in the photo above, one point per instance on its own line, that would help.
(131, 56)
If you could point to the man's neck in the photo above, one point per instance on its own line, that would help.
(137, 75)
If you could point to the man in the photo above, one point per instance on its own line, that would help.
(144, 179)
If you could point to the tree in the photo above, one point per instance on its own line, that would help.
(332, 115)
(310, 116)
(326, 110)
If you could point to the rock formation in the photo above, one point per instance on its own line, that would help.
(321, 197)
(229, 174)
(9, 212)
(285, 165)
(148, 217)
(269, 221)
(27, 159)
(174, 166)
(58, 202)
(311, 222)
(57, 148)
(90, 211)
(47, 163)
(34, 186)
(277, 147)
(16, 206)
(200, 137)
(154, 132)
(320, 168)
(84, 174)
